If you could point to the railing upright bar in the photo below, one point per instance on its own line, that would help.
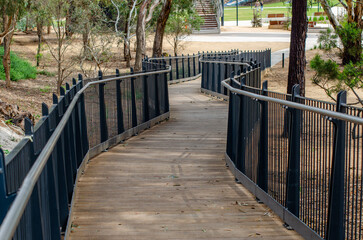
(103, 118)
(133, 101)
(145, 102)
(262, 175)
(336, 220)
(189, 65)
(120, 114)
(177, 67)
(293, 171)
(241, 131)
(194, 72)
(183, 66)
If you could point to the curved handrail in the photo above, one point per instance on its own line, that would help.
(13, 216)
(328, 113)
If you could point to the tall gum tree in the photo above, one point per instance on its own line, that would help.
(145, 14)
(160, 28)
(297, 59)
(11, 10)
(352, 43)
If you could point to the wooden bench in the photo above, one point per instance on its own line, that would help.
(276, 20)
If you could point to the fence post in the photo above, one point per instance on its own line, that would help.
(85, 142)
(262, 174)
(133, 100)
(103, 118)
(171, 69)
(183, 66)
(213, 87)
(120, 115)
(293, 171)
(335, 226)
(241, 130)
(188, 65)
(177, 67)
(199, 63)
(219, 78)
(230, 129)
(145, 101)
(194, 72)
(157, 99)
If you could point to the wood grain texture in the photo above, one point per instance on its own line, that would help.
(170, 182)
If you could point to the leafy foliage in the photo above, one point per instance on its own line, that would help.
(331, 79)
(20, 68)
(327, 40)
(257, 19)
(180, 24)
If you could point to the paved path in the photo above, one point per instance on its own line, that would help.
(170, 182)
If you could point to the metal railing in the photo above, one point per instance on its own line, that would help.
(37, 177)
(302, 157)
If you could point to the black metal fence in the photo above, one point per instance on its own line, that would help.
(39, 174)
(301, 160)
(185, 67)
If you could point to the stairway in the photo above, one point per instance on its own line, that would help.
(206, 10)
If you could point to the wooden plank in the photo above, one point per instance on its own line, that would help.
(171, 182)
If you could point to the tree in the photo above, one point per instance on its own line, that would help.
(181, 24)
(350, 31)
(160, 28)
(297, 60)
(11, 10)
(145, 14)
(129, 17)
(58, 9)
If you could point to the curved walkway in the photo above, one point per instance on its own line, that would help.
(170, 182)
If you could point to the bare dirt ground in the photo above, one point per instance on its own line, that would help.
(277, 78)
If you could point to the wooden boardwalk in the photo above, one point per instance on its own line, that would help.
(170, 182)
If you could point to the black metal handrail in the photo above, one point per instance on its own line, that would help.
(302, 157)
(73, 117)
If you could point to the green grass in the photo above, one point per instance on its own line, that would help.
(246, 12)
(20, 68)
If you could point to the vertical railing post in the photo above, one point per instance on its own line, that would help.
(194, 72)
(157, 99)
(183, 65)
(199, 63)
(145, 101)
(335, 226)
(85, 142)
(176, 67)
(207, 77)
(189, 66)
(133, 101)
(120, 115)
(5, 200)
(262, 168)
(230, 129)
(213, 85)
(241, 130)
(293, 169)
(171, 69)
(219, 78)
(103, 115)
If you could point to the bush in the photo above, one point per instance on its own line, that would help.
(20, 68)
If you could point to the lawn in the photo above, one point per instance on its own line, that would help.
(246, 12)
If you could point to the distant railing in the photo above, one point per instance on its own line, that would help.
(302, 157)
(37, 178)
(187, 67)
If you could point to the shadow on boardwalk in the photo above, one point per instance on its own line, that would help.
(170, 182)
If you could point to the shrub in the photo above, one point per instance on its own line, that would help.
(20, 68)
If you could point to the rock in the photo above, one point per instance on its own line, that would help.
(12, 112)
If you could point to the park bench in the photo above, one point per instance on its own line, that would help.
(276, 20)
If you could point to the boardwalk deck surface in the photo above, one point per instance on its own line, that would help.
(170, 182)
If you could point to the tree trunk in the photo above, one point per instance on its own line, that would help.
(297, 61)
(40, 36)
(86, 42)
(160, 29)
(69, 31)
(48, 29)
(140, 35)
(127, 53)
(7, 43)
